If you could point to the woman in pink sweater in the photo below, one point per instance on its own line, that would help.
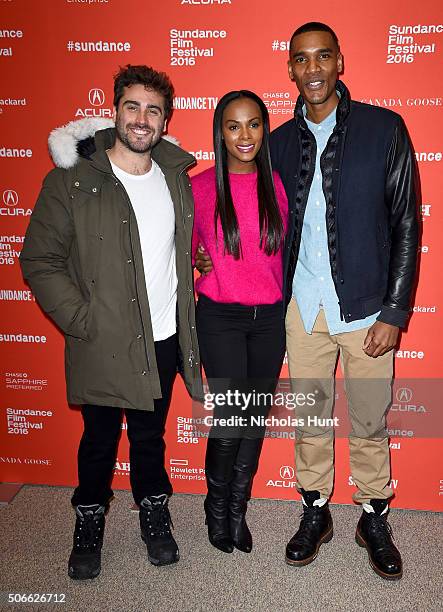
(240, 220)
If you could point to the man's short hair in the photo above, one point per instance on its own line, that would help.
(314, 26)
(148, 77)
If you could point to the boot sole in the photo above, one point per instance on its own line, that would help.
(323, 540)
(78, 576)
(362, 542)
(159, 563)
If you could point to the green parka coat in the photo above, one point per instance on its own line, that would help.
(82, 259)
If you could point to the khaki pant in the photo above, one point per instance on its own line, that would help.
(312, 360)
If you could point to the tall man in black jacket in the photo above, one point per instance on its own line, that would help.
(349, 269)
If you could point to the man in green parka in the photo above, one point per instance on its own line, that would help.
(107, 255)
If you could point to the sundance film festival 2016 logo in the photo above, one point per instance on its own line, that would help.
(10, 199)
(186, 431)
(10, 249)
(406, 42)
(96, 98)
(184, 50)
(21, 422)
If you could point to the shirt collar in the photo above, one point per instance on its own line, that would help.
(327, 123)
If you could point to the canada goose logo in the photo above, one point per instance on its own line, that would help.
(96, 97)
(10, 197)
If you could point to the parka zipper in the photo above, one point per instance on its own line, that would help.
(191, 357)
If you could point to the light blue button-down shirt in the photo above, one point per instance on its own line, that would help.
(313, 287)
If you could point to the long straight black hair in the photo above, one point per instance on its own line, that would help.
(270, 222)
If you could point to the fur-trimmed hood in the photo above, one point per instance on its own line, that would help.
(63, 141)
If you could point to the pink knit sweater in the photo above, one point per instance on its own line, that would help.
(255, 278)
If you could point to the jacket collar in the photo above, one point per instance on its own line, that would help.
(343, 108)
(167, 155)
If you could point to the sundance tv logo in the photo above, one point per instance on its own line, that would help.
(96, 98)
(10, 199)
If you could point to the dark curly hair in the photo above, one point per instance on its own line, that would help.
(151, 79)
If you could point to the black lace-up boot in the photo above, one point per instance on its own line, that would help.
(85, 559)
(315, 529)
(375, 534)
(155, 525)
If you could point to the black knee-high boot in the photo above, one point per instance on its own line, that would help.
(220, 458)
(244, 470)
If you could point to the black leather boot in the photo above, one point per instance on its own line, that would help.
(315, 529)
(244, 470)
(375, 534)
(220, 456)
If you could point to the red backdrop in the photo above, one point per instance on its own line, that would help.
(57, 60)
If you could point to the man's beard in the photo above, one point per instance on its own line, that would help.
(136, 147)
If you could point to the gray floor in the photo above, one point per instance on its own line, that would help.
(36, 533)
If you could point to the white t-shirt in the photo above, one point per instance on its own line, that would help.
(154, 211)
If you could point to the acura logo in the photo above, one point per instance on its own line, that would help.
(404, 395)
(287, 472)
(96, 97)
(10, 197)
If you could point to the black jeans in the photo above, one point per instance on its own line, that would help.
(102, 428)
(241, 347)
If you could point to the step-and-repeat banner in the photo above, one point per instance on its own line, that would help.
(57, 60)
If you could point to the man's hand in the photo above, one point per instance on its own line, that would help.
(380, 339)
(203, 262)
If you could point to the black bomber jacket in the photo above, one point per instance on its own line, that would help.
(370, 184)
